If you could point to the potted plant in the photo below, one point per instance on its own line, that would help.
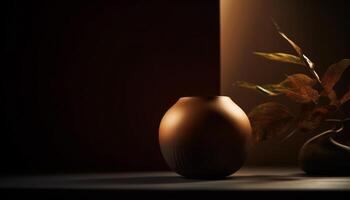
(322, 154)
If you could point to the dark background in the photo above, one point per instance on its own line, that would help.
(86, 83)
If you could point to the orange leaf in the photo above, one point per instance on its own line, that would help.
(270, 120)
(333, 74)
(345, 98)
(332, 97)
(298, 87)
(311, 117)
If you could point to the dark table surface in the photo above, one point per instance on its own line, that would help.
(246, 179)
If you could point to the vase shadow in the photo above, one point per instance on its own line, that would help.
(137, 180)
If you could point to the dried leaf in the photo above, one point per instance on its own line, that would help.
(304, 95)
(267, 89)
(311, 67)
(295, 46)
(311, 117)
(332, 98)
(298, 80)
(345, 98)
(298, 87)
(333, 74)
(270, 120)
(307, 62)
(282, 57)
(245, 84)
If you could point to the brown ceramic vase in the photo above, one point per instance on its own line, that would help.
(205, 137)
(328, 153)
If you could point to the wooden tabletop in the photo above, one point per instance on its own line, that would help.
(246, 179)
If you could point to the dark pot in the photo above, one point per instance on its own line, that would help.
(324, 154)
(205, 137)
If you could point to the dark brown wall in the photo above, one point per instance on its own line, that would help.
(86, 84)
(321, 28)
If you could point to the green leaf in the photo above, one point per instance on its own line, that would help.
(270, 120)
(333, 74)
(282, 57)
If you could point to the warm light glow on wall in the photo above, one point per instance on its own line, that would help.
(236, 18)
(246, 27)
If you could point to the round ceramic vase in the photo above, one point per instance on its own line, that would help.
(205, 137)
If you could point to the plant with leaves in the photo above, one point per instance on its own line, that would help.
(316, 96)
